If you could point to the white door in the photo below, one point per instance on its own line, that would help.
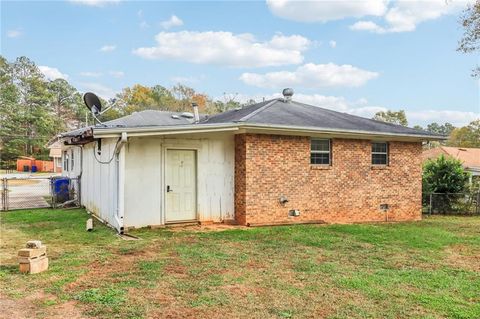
(180, 186)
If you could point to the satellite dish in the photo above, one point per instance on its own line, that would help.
(92, 102)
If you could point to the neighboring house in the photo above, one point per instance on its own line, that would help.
(56, 155)
(470, 157)
(275, 162)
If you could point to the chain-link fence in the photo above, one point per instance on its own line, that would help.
(452, 203)
(39, 192)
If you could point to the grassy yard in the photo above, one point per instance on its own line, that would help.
(428, 269)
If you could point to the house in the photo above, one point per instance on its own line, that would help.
(275, 162)
(470, 157)
(56, 155)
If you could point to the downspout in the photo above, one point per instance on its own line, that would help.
(121, 183)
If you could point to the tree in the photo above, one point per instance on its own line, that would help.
(11, 143)
(398, 117)
(444, 175)
(66, 103)
(36, 124)
(467, 136)
(470, 42)
(444, 129)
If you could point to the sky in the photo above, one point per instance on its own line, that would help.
(351, 56)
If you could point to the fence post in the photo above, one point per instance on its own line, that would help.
(430, 206)
(5, 194)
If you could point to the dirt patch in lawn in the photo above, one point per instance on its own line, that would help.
(100, 271)
(28, 307)
(461, 256)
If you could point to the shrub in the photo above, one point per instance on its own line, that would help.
(444, 175)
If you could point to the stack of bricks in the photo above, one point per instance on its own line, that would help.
(33, 259)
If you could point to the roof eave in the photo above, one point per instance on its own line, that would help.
(100, 132)
(359, 133)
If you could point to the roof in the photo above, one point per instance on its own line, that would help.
(140, 119)
(470, 157)
(291, 113)
(276, 114)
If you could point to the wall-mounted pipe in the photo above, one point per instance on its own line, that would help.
(120, 163)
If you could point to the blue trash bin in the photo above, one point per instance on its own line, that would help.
(61, 189)
(34, 168)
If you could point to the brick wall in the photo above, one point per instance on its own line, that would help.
(350, 190)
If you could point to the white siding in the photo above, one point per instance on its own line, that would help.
(75, 171)
(99, 181)
(144, 177)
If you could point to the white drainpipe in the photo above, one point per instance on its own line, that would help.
(121, 183)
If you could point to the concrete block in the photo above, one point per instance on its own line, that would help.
(34, 244)
(35, 266)
(32, 252)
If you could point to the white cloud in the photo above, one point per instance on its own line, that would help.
(91, 74)
(52, 73)
(14, 33)
(405, 15)
(108, 48)
(362, 107)
(367, 26)
(143, 23)
(95, 3)
(398, 15)
(187, 79)
(100, 89)
(312, 76)
(226, 48)
(117, 74)
(457, 118)
(174, 21)
(326, 10)
(332, 44)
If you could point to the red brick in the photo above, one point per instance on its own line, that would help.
(350, 190)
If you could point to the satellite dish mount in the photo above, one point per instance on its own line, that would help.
(94, 104)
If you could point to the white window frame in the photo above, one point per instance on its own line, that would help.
(65, 161)
(386, 153)
(329, 152)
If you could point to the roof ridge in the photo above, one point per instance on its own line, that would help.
(250, 115)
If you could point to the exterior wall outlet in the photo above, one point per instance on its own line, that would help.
(294, 212)
(384, 207)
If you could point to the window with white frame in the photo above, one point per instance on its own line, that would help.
(320, 151)
(379, 153)
(72, 160)
(65, 161)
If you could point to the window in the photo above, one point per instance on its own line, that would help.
(379, 153)
(320, 152)
(65, 161)
(72, 161)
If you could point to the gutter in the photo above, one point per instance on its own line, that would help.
(206, 128)
(121, 183)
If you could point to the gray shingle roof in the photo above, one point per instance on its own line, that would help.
(272, 112)
(281, 112)
(141, 119)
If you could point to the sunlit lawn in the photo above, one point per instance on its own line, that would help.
(428, 269)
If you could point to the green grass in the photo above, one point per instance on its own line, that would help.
(428, 269)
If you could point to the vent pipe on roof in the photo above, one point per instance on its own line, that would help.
(195, 112)
(287, 94)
